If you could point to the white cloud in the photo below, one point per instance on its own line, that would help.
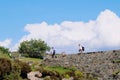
(100, 33)
(107, 29)
(6, 43)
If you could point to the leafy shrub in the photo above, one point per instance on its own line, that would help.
(5, 67)
(25, 68)
(16, 67)
(40, 69)
(72, 68)
(4, 50)
(34, 48)
(48, 73)
(67, 76)
(13, 76)
(79, 74)
(44, 73)
(53, 75)
(70, 73)
(15, 73)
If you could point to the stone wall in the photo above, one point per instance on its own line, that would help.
(105, 65)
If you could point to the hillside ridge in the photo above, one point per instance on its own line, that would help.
(102, 64)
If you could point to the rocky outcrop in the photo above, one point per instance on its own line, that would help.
(34, 75)
(105, 65)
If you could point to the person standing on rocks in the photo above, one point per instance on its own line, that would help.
(80, 48)
(53, 52)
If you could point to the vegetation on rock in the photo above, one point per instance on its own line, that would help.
(5, 67)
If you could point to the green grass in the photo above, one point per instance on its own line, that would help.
(30, 59)
(4, 55)
(34, 61)
(59, 69)
(25, 59)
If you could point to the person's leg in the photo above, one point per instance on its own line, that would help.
(52, 55)
(81, 51)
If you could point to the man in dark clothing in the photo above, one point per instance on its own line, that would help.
(53, 52)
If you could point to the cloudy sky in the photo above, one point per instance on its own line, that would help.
(62, 24)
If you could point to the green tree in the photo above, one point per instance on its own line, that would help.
(4, 50)
(33, 48)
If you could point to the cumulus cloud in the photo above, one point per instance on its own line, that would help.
(100, 33)
(6, 43)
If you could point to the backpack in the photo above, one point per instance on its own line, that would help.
(83, 48)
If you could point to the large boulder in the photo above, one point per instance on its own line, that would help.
(34, 75)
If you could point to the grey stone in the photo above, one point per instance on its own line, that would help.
(99, 63)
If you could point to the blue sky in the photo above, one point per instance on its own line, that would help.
(16, 14)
